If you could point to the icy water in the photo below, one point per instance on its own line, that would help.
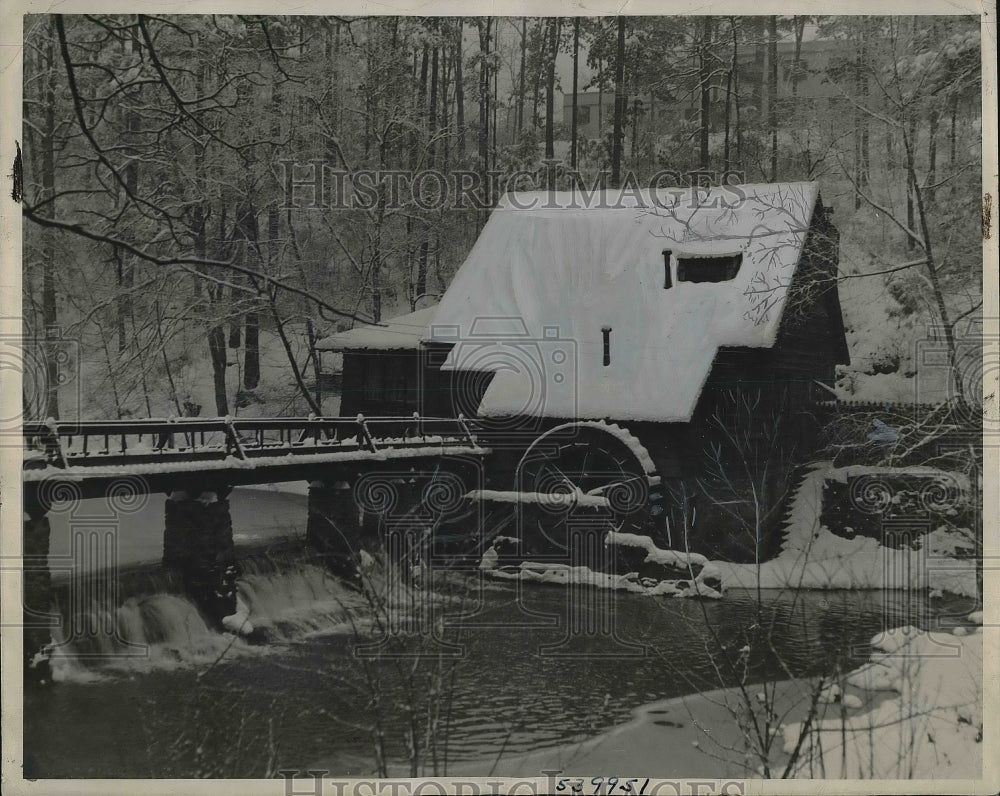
(507, 671)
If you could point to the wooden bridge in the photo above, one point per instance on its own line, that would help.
(350, 464)
(167, 455)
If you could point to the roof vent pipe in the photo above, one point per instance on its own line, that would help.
(606, 331)
(667, 281)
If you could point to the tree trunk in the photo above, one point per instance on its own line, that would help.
(910, 133)
(126, 269)
(521, 75)
(576, 76)
(772, 92)
(705, 72)
(799, 24)
(216, 335)
(952, 131)
(251, 372)
(539, 63)
(217, 349)
(932, 130)
(616, 144)
(932, 274)
(432, 116)
(459, 94)
(50, 319)
(861, 144)
(726, 147)
(445, 117)
(600, 97)
(865, 92)
(550, 90)
(484, 105)
(736, 97)
(422, 91)
(247, 223)
(495, 105)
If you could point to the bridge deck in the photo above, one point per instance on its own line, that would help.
(158, 453)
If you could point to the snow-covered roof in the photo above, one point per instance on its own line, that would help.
(547, 274)
(401, 332)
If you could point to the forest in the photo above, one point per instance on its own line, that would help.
(174, 262)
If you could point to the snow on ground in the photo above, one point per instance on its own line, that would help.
(812, 557)
(931, 728)
(96, 395)
(895, 356)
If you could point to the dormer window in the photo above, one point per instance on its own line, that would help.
(708, 268)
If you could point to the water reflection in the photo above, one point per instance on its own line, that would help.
(317, 700)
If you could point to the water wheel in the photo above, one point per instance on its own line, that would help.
(587, 468)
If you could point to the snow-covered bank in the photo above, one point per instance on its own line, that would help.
(812, 557)
(931, 728)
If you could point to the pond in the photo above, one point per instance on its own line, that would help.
(504, 668)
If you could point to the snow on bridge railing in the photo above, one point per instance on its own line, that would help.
(65, 444)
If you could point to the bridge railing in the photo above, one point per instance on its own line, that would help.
(149, 440)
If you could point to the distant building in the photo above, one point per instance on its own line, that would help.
(594, 109)
(813, 83)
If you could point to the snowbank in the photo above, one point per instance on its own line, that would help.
(930, 729)
(811, 557)
(814, 558)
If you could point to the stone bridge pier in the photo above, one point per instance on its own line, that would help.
(37, 592)
(198, 545)
(333, 526)
(373, 512)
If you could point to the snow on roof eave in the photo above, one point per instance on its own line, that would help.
(402, 333)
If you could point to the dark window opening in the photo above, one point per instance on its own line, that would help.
(708, 269)
(606, 331)
(667, 281)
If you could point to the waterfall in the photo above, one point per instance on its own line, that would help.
(284, 594)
